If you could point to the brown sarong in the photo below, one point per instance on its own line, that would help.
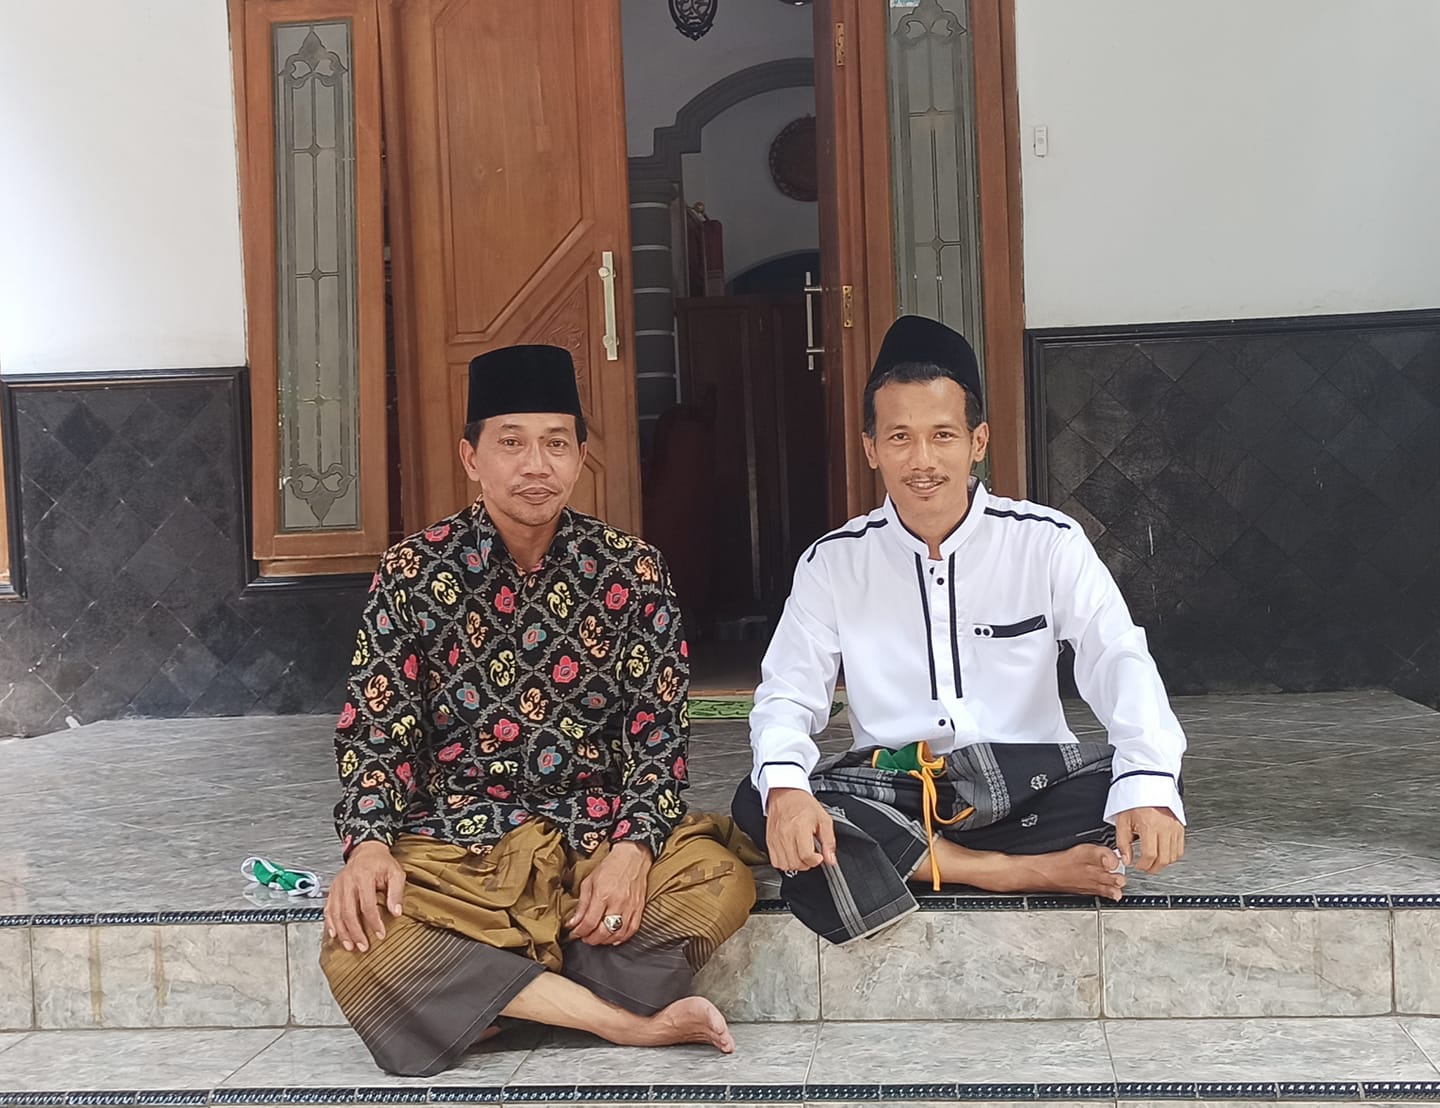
(477, 929)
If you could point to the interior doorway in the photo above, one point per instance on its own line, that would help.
(725, 233)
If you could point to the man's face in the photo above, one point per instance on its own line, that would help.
(526, 464)
(924, 451)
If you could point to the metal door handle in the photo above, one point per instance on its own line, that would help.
(811, 350)
(611, 341)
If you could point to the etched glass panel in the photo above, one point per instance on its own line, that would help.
(934, 164)
(318, 347)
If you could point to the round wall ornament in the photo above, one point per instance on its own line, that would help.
(792, 159)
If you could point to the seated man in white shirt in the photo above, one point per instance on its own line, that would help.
(946, 607)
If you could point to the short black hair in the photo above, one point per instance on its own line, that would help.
(471, 434)
(907, 373)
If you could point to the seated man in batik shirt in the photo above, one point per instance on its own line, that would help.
(512, 755)
(946, 606)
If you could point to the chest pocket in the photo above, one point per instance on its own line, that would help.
(1010, 630)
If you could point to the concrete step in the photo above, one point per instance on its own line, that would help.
(1131, 1062)
(987, 958)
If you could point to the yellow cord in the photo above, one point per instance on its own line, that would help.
(930, 769)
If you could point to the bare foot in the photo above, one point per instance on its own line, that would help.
(692, 1020)
(1086, 870)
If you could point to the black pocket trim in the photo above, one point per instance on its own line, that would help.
(1011, 630)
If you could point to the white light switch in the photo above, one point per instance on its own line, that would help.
(1042, 141)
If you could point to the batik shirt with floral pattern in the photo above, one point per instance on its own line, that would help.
(482, 697)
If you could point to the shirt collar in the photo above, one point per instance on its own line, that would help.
(492, 547)
(968, 525)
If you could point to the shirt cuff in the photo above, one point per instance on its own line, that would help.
(780, 775)
(645, 829)
(1144, 790)
(353, 835)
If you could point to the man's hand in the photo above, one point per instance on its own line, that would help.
(1161, 836)
(616, 887)
(352, 907)
(798, 831)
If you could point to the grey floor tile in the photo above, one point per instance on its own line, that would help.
(1426, 1034)
(1375, 1049)
(765, 1054)
(1403, 874)
(334, 1057)
(971, 1052)
(1246, 860)
(10, 1038)
(100, 1060)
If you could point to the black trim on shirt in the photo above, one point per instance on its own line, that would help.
(766, 765)
(1006, 514)
(1143, 773)
(955, 633)
(1015, 630)
(871, 525)
(929, 644)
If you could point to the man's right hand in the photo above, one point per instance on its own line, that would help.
(798, 831)
(352, 907)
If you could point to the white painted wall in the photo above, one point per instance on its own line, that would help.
(1234, 158)
(119, 215)
(664, 69)
(731, 176)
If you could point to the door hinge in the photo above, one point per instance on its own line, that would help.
(839, 44)
(847, 305)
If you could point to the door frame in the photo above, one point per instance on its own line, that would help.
(851, 38)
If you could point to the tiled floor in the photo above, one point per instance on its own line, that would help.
(1328, 792)
(836, 1054)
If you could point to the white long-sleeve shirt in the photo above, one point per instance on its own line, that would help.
(962, 650)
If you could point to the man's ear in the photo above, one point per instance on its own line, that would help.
(869, 444)
(981, 437)
(467, 459)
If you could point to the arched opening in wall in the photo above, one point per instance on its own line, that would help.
(725, 235)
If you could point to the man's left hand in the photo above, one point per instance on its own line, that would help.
(1161, 838)
(616, 887)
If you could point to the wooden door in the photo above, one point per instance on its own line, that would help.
(505, 137)
(857, 265)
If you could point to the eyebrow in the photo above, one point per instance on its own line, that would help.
(558, 429)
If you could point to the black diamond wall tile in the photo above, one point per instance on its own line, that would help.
(1141, 457)
(1104, 422)
(1108, 493)
(137, 563)
(1322, 411)
(159, 699)
(1175, 356)
(83, 434)
(1211, 381)
(1137, 382)
(1359, 372)
(1075, 460)
(1285, 377)
(1274, 519)
(1177, 419)
(1398, 407)
(224, 632)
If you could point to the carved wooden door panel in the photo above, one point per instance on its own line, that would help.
(505, 140)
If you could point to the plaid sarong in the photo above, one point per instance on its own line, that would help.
(1028, 798)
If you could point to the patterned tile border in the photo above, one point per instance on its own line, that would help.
(773, 906)
(1190, 1091)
